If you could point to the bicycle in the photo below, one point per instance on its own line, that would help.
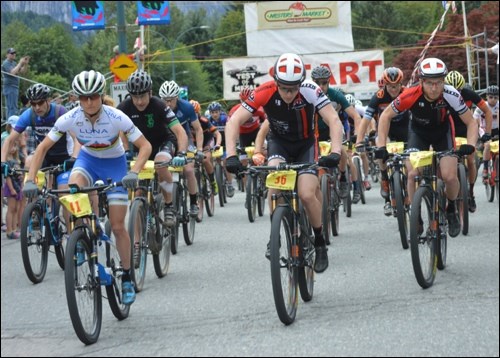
(358, 164)
(206, 196)
(42, 226)
(180, 197)
(331, 197)
(463, 193)
(491, 185)
(146, 227)
(256, 191)
(292, 268)
(428, 223)
(220, 176)
(92, 260)
(398, 193)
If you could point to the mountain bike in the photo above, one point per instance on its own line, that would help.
(220, 175)
(331, 197)
(146, 227)
(206, 196)
(256, 192)
(428, 223)
(43, 226)
(92, 260)
(292, 241)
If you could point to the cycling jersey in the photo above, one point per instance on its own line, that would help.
(378, 104)
(253, 123)
(479, 115)
(470, 97)
(154, 122)
(292, 122)
(220, 124)
(43, 125)
(339, 102)
(429, 117)
(186, 115)
(208, 131)
(100, 139)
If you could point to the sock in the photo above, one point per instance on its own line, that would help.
(318, 234)
(342, 176)
(193, 199)
(126, 275)
(355, 185)
(451, 206)
(471, 190)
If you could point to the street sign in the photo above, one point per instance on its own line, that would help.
(123, 67)
(118, 91)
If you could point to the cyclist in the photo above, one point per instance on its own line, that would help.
(160, 127)
(321, 76)
(184, 111)
(429, 103)
(290, 104)
(211, 139)
(97, 127)
(219, 119)
(455, 79)
(479, 115)
(392, 79)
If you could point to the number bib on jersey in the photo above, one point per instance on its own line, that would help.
(421, 159)
(282, 179)
(77, 204)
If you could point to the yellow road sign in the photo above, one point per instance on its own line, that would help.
(123, 67)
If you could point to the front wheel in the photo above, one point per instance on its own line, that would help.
(161, 258)
(422, 238)
(34, 243)
(138, 231)
(402, 213)
(83, 291)
(177, 203)
(325, 210)
(308, 256)
(251, 197)
(463, 199)
(283, 270)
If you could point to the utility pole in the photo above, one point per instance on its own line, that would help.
(122, 27)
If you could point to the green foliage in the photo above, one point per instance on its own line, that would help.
(56, 82)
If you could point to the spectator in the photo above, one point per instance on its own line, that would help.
(57, 98)
(494, 50)
(10, 70)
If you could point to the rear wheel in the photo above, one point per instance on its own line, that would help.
(188, 222)
(177, 204)
(61, 236)
(361, 187)
(83, 291)
(34, 244)
(325, 210)
(261, 195)
(442, 234)
(463, 199)
(221, 183)
(305, 269)
(283, 271)
(422, 240)
(334, 208)
(402, 213)
(251, 197)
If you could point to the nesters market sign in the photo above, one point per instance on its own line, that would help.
(307, 13)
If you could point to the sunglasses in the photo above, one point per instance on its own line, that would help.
(92, 97)
(289, 89)
(323, 83)
(36, 104)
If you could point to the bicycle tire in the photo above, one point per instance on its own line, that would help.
(59, 241)
(490, 184)
(137, 225)
(220, 183)
(374, 169)
(402, 214)
(495, 176)
(34, 244)
(325, 208)
(161, 258)
(285, 298)
(201, 201)
(361, 187)
(208, 196)
(334, 209)
(424, 267)
(251, 198)
(442, 237)
(177, 206)
(188, 222)
(261, 195)
(80, 281)
(463, 198)
(307, 257)
(114, 291)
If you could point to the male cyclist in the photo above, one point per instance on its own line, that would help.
(455, 79)
(97, 128)
(398, 132)
(429, 103)
(290, 104)
(160, 127)
(184, 111)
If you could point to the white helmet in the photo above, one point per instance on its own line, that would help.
(89, 82)
(432, 68)
(351, 99)
(169, 89)
(289, 69)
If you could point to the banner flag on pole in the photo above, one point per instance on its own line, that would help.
(87, 15)
(153, 12)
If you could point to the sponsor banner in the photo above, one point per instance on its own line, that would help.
(153, 12)
(87, 15)
(293, 14)
(302, 35)
(353, 72)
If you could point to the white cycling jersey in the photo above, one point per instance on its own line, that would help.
(479, 116)
(102, 139)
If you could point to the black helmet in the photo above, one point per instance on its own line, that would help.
(492, 90)
(38, 92)
(321, 72)
(139, 82)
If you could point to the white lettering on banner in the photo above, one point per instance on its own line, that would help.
(118, 91)
(353, 72)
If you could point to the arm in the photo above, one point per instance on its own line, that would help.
(472, 129)
(232, 129)
(198, 131)
(218, 138)
(332, 120)
(144, 152)
(9, 142)
(39, 156)
(351, 111)
(488, 116)
(21, 67)
(384, 123)
(261, 137)
(182, 138)
(362, 129)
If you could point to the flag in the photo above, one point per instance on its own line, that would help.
(87, 15)
(447, 4)
(153, 12)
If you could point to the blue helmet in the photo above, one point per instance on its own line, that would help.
(214, 106)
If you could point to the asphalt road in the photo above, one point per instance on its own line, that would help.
(217, 297)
